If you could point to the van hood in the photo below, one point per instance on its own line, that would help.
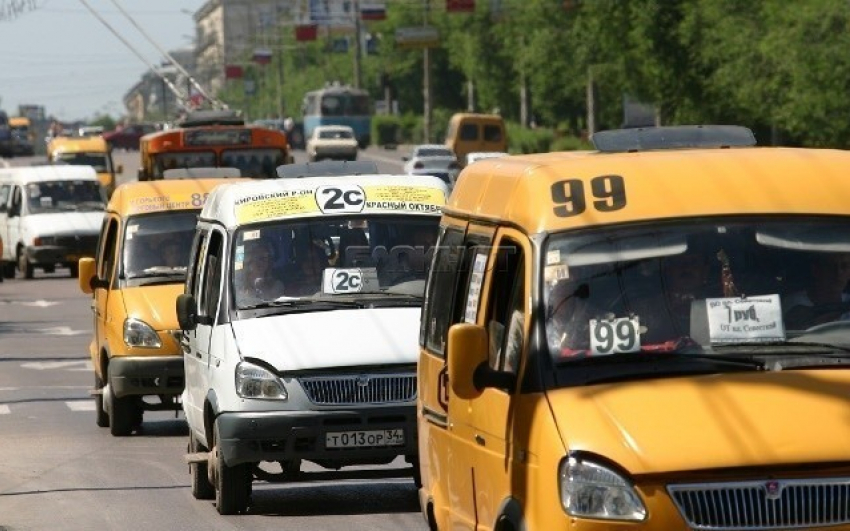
(155, 305)
(727, 420)
(336, 338)
(64, 223)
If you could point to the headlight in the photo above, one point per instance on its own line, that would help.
(253, 381)
(140, 334)
(589, 490)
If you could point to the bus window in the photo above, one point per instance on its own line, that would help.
(257, 163)
(332, 106)
(188, 159)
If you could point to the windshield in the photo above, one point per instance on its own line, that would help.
(186, 159)
(333, 258)
(711, 287)
(256, 163)
(64, 196)
(158, 244)
(434, 152)
(335, 133)
(98, 161)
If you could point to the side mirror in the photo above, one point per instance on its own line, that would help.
(466, 351)
(3, 207)
(119, 169)
(87, 278)
(187, 312)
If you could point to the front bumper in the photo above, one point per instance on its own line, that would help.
(65, 250)
(160, 375)
(288, 435)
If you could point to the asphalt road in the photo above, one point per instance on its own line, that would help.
(59, 471)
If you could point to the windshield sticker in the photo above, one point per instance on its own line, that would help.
(553, 257)
(615, 336)
(239, 257)
(475, 281)
(343, 281)
(158, 203)
(251, 235)
(554, 273)
(745, 320)
(131, 230)
(339, 199)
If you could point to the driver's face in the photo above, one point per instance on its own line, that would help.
(685, 273)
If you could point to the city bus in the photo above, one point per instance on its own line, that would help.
(214, 142)
(339, 105)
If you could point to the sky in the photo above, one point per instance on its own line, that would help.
(58, 54)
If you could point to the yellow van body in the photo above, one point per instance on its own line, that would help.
(501, 440)
(471, 132)
(135, 349)
(25, 135)
(87, 151)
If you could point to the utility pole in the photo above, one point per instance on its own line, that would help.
(591, 104)
(358, 74)
(426, 81)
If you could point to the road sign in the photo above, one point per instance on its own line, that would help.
(417, 37)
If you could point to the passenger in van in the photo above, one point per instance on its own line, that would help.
(305, 278)
(256, 281)
(173, 254)
(825, 298)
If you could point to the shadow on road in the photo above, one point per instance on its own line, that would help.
(354, 497)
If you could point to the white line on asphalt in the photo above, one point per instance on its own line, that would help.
(43, 387)
(80, 405)
(4, 410)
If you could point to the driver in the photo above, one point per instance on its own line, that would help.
(824, 299)
(256, 281)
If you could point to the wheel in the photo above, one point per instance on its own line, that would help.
(101, 417)
(9, 269)
(24, 266)
(202, 489)
(232, 483)
(74, 267)
(123, 414)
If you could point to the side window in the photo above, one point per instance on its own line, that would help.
(4, 195)
(492, 133)
(211, 277)
(192, 279)
(506, 307)
(469, 132)
(17, 201)
(437, 311)
(107, 251)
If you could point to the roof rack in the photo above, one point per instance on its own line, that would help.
(208, 117)
(673, 137)
(327, 169)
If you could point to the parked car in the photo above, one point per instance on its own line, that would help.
(128, 137)
(432, 159)
(332, 142)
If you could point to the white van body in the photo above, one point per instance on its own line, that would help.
(344, 363)
(49, 216)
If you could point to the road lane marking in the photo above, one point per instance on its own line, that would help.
(80, 405)
(81, 365)
(4, 410)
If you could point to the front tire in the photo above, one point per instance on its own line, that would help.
(75, 269)
(9, 269)
(202, 489)
(25, 267)
(232, 483)
(122, 414)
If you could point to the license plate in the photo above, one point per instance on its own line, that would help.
(364, 439)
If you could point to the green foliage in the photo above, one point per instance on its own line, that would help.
(105, 121)
(769, 65)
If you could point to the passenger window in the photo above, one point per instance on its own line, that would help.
(469, 132)
(4, 196)
(107, 252)
(492, 133)
(211, 276)
(437, 311)
(192, 280)
(506, 308)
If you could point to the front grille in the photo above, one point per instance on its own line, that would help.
(769, 504)
(360, 388)
(84, 244)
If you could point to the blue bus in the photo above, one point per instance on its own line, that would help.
(339, 105)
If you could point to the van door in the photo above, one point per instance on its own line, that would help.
(15, 220)
(503, 313)
(452, 295)
(6, 251)
(107, 260)
(207, 292)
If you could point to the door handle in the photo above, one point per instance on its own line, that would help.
(480, 440)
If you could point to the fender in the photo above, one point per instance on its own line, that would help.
(211, 410)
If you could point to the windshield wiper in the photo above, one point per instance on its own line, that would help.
(295, 303)
(787, 347)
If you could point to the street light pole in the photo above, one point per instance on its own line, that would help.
(426, 81)
(358, 73)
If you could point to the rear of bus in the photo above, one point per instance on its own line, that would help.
(339, 106)
(255, 151)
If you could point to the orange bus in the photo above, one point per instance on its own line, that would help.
(212, 142)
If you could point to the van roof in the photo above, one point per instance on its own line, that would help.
(479, 116)
(256, 201)
(526, 190)
(142, 197)
(65, 144)
(26, 174)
